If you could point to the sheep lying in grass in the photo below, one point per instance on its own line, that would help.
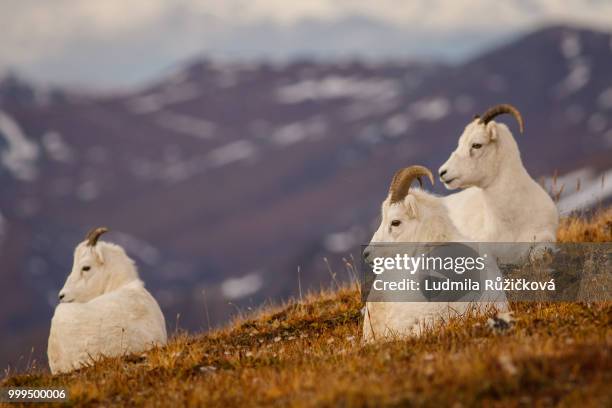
(419, 217)
(104, 309)
(501, 202)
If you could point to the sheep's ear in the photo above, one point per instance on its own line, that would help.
(411, 206)
(492, 130)
(97, 250)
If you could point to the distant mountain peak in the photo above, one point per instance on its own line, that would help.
(15, 90)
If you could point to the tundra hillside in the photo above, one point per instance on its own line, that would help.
(308, 353)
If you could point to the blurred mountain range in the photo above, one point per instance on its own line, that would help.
(222, 179)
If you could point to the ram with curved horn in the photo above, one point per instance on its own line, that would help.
(405, 209)
(408, 214)
(500, 201)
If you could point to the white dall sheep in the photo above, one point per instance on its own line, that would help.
(409, 216)
(501, 202)
(104, 309)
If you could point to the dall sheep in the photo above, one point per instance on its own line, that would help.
(409, 216)
(104, 309)
(500, 201)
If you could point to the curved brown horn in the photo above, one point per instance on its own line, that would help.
(500, 109)
(93, 235)
(400, 185)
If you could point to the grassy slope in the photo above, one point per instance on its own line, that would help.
(308, 354)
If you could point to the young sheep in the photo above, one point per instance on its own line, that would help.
(409, 216)
(104, 309)
(501, 202)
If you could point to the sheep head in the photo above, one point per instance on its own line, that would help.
(401, 212)
(98, 268)
(483, 145)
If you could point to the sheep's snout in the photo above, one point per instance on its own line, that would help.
(367, 256)
(446, 178)
(62, 297)
(443, 171)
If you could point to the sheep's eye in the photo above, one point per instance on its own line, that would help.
(86, 268)
(476, 146)
(395, 223)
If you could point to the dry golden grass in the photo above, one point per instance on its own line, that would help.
(596, 228)
(308, 354)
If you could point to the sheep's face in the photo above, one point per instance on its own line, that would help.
(399, 221)
(89, 276)
(475, 161)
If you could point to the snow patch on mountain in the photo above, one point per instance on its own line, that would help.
(138, 247)
(584, 189)
(579, 69)
(430, 109)
(232, 152)
(168, 96)
(335, 87)
(299, 131)
(340, 242)
(577, 78)
(570, 45)
(397, 125)
(56, 147)
(21, 155)
(236, 288)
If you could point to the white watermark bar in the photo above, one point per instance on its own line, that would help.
(21, 395)
(484, 272)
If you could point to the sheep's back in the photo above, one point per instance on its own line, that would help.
(124, 321)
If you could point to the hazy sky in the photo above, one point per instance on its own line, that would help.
(123, 42)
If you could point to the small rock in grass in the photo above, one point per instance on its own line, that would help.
(501, 322)
(208, 369)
